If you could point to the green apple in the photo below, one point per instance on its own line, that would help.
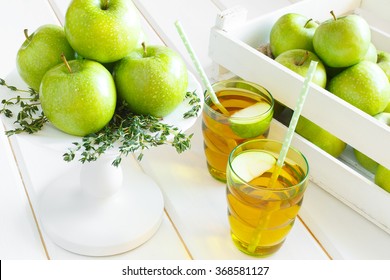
(384, 62)
(382, 175)
(368, 163)
(382, 178)
(78, 97)
(110, 65)
(251, 164)
(252, 121)
(363, 85)
(371, 55)
(343, 41)
(298, 60)
(41, 51)
(365, 161)
(152, 80)
(387, 109)
(292, 31)
(320, 137)
(105, 30)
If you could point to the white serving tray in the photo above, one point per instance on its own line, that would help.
(233, 46)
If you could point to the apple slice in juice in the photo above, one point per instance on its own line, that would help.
(251, 164)
(252, 121)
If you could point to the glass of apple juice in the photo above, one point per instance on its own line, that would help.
(250, 108)
(261, 207)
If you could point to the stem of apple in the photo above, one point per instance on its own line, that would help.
(105, 5)
(66, 62)
(144, 48)
(25, 31)
(333, 15)
(304, 58)
(307, 22)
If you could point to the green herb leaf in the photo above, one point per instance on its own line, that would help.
(194, 100)
(29, 118)
(131, 133)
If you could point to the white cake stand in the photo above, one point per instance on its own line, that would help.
(97, 209)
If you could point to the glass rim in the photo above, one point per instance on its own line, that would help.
(260, 88)
(304, 179)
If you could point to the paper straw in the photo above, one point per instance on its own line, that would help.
(199, 68)
(266, 215)
(294, 121)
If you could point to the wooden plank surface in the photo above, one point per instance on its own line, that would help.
(194, 225)
(19, 234)
(254, 8)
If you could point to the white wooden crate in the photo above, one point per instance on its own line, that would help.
(233, 46)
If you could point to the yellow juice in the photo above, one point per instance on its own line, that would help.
(262, 210)
(222, 133)
(276, 212)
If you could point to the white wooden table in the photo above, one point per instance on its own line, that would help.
(194, 223)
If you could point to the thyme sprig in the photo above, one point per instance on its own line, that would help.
(131, 133)
(194, 101)
(127, 132)
(29, 118)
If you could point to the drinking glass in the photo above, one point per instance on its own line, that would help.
(262, 212)
(223, 133)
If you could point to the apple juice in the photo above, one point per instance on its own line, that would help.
(222, 133)
(261, 213)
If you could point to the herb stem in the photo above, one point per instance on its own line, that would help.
(13, 88)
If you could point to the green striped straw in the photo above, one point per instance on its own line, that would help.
(294, 121)
(199, 68)
(265, 216)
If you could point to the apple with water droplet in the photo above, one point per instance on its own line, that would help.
(78, 97)
(383, 62)
(320, 137)
(41, 51)
(152, 80)
(298, 60)
(363, 85)
(292, 31)
(342, 41)
(105, 31)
